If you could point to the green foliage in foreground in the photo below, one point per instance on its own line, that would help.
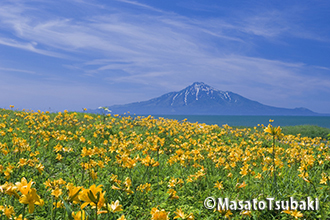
(152, 164)
(311, 131)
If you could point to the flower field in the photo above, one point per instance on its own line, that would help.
(70, 165)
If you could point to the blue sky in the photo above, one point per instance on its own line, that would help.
(74, 54)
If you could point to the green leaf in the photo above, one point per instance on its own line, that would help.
(74, 196)
(92, 197)
(68, 209)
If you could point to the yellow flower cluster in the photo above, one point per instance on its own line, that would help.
(86, 164)
(24, 193)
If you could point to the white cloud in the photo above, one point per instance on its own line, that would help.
(167, 50)
(17, 70)
(31, 46)
(141, 5)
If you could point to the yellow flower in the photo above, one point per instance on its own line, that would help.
(58, 148)
(128, 182)
(86, 152)
(323, 179)
(173, 194)
(180, 214)
(191, 216)
(7, 211)
(225, 213)
(73, 192)
(7, 174)
(59, 157)
(56, 192)
(20, 217)
(22, 162)
(246, 213)
(93, 174)
(241, 185)
(34, 154)
(101, 201)
(89, 196)
(58, 204)
(295, 213)
(145, 187)
(218, 185)
(122, 218)
(159, 215)
(273, 131)
(24, 186)
(82, 139)
(245, 170)
(31, 199)
(40, 167)
(258, 176)
(115, 187)
(9, 189)
(81, 215)
(115, 207)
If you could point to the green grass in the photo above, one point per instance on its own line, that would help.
(311, 131)
(193, 160)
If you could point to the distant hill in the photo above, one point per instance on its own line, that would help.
(202, 99)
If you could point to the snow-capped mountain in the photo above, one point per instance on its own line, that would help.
(202, 99)
(198, 92)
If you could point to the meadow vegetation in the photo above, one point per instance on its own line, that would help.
(311, 131)
(71, 165)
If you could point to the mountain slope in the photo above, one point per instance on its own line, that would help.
(201, 99)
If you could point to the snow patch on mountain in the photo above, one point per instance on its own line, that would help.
(185, 97)
(174, 99)
(197, 91)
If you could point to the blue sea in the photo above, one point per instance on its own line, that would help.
(251, 121)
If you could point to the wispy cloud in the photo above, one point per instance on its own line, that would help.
(168, 50)
(125, 33)
(141, 5)
(17, 70)
(31, 46)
